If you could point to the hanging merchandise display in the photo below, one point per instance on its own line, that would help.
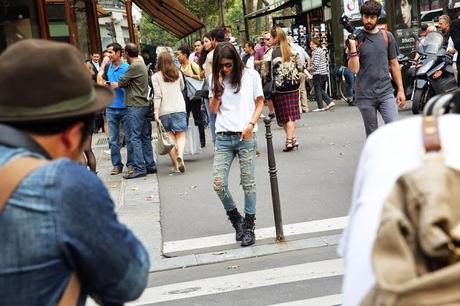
(299, 34)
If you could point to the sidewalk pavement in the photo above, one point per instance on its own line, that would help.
(137, 201)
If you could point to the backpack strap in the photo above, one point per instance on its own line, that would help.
(385, 37)
(11, 175)
(193, 70)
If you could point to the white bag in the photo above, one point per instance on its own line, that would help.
(192, 142)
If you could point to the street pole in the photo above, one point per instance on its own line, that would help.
(246, 23)
(274, 181)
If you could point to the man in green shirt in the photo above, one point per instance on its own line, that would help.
(135, 82)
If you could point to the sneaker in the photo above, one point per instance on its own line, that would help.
(107, 152)
(130, 169)
(330, 105)
(318, 110)
(134, 175)
(116, 171)
(151, 170)
(262, 116)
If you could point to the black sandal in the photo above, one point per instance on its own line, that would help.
(288, 145)
(295, 143)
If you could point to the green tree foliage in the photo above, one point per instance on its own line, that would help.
(153, 34)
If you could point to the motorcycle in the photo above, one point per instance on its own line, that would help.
(408, 70)
(435, 74)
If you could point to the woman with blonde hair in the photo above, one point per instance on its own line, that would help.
(169, 106)
(286, 67)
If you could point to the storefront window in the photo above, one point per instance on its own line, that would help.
(18, 20)
(58, 28)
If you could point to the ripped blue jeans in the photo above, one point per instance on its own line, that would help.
(226, 148)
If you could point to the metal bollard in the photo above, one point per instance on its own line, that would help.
(274, 181)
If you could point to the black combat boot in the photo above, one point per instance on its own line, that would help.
(237, 222)
(249, 237)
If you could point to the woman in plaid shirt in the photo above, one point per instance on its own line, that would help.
(320, 71)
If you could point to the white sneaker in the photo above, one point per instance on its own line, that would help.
(107, 152)
(262, 116)
(318, 110)
(330, 105)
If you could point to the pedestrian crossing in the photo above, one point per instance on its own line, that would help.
(248, 280)
(289, 230)
(329, 300)
(201, 290)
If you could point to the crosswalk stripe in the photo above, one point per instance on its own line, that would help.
(329, 300)
(241, 281)
(262, 233)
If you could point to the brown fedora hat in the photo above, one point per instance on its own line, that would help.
(42, 80)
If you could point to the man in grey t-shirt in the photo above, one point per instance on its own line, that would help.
(372, 58)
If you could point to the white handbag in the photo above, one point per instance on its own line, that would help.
(165, 143)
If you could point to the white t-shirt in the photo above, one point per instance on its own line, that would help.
(450, 45)
(391, 151)
(250, 62)
(236, 109)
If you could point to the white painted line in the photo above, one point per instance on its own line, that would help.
(241, 281)
(263, 233)
(329, 300)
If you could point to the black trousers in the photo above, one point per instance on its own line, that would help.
(458, 72)
(195, 108)
(319, 80)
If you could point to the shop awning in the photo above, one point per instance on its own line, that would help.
(269, 10)
(172, 15)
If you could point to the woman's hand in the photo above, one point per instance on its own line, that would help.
(247, 132)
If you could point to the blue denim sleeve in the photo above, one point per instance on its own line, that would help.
(110, 261)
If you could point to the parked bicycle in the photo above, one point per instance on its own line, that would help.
(345, 84)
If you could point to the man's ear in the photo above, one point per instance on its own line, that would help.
(71, 138)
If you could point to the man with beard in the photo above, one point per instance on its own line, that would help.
(372, 58)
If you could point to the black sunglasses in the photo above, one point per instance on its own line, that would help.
(226, 65)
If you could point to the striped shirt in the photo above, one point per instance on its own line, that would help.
(319, 62)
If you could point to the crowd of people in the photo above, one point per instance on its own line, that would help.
(46, 129)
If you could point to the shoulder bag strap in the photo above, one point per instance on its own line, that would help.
(11, 175)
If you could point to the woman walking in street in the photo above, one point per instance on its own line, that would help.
(286, 67)
(170, 106)
(320, 71)
(237, 97)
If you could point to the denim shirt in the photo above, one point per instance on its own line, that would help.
(59, 220)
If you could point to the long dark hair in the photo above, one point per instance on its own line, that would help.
(222, 51)
(166, 66)
(204, 52)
